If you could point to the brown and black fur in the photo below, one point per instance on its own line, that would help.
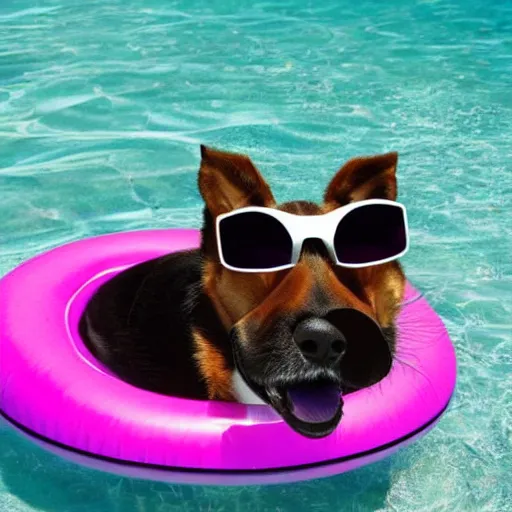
(180, 324)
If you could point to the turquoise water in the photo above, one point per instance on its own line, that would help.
(103, 105)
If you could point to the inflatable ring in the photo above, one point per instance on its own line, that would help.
(55, 392)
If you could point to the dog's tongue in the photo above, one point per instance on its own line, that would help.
(314, 403)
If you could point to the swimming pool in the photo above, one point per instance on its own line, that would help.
(102, 109)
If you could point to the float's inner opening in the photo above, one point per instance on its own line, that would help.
(105, 309)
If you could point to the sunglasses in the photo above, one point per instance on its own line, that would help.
(360, 234)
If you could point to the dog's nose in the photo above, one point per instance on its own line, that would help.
(319, 341)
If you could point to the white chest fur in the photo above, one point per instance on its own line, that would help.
(243, 393)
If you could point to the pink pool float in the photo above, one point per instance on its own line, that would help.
(56, 393)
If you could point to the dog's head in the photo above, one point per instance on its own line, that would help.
(302, 335)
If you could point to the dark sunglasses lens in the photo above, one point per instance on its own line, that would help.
(371, 233)
(255, 240)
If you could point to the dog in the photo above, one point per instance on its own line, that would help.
(297, 338)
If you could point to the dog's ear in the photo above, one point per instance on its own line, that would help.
(372, 177)
(229, 180)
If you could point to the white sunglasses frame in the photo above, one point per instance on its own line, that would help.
(303, 227)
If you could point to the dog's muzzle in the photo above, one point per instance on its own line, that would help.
(325, 356)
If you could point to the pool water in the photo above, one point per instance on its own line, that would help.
(103, 105)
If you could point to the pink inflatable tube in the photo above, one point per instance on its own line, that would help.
(55, 392)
